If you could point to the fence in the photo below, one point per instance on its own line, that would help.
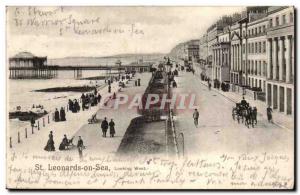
(28, 130)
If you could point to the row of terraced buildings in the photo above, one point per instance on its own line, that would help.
(253, 51)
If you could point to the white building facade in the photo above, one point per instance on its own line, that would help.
(280, 59)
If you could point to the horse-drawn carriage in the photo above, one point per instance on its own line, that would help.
(243, 112)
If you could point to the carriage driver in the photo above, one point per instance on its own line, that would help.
(244, 102)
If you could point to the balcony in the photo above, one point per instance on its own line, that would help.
(257, 35)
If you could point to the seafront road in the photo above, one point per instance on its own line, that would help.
(218, 132)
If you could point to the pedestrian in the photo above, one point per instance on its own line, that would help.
(71, 105)
(95, 99)
(82, 97)
(209, 86)
(254, 115)
(83, 102)
(50, 143)
(32, 122)
(109, 88)
(269, 114)
(196, 117)
(62, 114)
(104, 127)
(99, 98)
(92, 100)
(95, 91)
(139, 82)
(76, 106)
(56, 115)
(112, 128)
(64, 143)
(80, 147)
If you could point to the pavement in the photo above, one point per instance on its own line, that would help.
(92, 133)
(217, 132)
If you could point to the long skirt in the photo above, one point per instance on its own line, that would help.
(50, 146)
(112, 130)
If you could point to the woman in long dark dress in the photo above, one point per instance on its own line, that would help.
(50, 143)
(64, 143)
(112, 128)
(62, 114)
(71, 105)
(56, 115)
(76, 106)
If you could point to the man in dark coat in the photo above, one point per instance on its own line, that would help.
(56, 115)
(80, 146)
(244, 102)
(254, 115)
(112, 128)
(62, 114)
(269, 114)
(99, 97)
(104, 127)
(196, 117)
(109, 88)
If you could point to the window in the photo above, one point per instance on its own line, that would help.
(283, 19)
(259, 47)
(271, 23)
(255, 31)
(252, 31)
(244, 48)
(264, 28)
(291, 17)
(277, 21)
(249, 51)
(255, 72)
(259, 30)
(255, 48)
(264, 47)
(248, 32)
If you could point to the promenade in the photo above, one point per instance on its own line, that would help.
(77, 124)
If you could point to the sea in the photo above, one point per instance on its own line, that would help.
(21, 92)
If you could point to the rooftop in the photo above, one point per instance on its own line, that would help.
(26, 55)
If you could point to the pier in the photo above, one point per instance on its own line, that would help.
(45, 72)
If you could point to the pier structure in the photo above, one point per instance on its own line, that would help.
(25, 65)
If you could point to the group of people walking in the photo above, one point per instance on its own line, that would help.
(90, 99)
(60, 115)
(74, 106)
(104, 126)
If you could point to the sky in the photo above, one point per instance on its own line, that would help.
(102, 31)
